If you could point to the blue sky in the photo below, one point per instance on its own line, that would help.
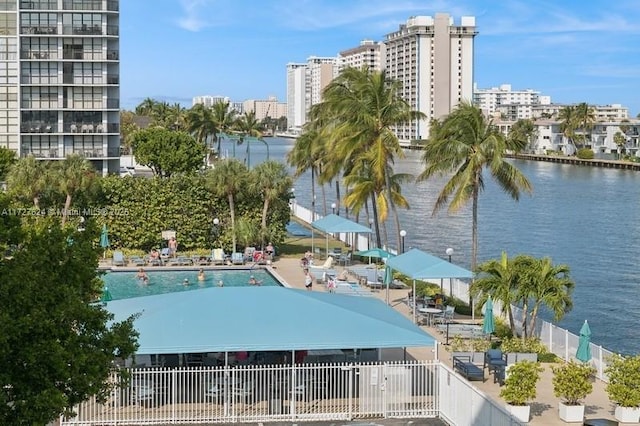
(572, 50)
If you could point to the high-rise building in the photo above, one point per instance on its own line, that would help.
(433, 58)
(296, 94)
(60, 79)
(369, 54)
(509, 104)
(266, 108)
(320, 72)
(208, 101)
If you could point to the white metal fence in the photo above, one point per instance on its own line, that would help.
(346, 391)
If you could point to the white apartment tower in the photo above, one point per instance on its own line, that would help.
(511, 104)
(433, 58)
(369, 54)
(209, 101)
(296, 94)
(60, 79)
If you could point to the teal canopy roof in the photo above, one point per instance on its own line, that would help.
(419, 265)
(333, 223)
(265, 319)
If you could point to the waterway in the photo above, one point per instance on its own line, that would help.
(585, 217)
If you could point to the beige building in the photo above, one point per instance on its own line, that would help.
(369, 54)
(60, 80)
(296, 94)
(320, 72)
(433, 58)
(266, 108)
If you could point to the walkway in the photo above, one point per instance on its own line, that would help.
(544, 410)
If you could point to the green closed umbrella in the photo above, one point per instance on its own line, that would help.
(488, 324)
(388, 279)
(584, 343)
(106, 295)
(104, 239)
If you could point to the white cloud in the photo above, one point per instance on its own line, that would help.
(192, 15)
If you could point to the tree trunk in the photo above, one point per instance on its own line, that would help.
(525, 309)
(338, 196)
(534, 315)
(232, 213)
(396, 218)
(67, 206)
(474, 236)
(265, 209)
(313, 194)
(376, 222)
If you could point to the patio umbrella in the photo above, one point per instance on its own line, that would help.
(104, 239)
(388, 279)
(584, 343)
(106, 295)
(488, 324)
(377, 253)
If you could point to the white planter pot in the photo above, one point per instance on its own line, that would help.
(520, 412)
(571, 413)
(627, 414)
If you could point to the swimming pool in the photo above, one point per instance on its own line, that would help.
(125, 285)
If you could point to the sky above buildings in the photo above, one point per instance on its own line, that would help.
(572, 50)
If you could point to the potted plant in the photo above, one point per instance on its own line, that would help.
(520, 387)
(624, 387)
(572, 382)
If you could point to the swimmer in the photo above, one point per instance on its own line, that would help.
(253, 281)
(142, 276)
(220, 283)
(201, 276)
(185, 282)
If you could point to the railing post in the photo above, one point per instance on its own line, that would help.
(351, 369)
(600, 369)
(566, 345)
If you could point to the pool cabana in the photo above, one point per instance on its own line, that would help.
(262, 319)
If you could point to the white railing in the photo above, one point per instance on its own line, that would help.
(564, 344)
(306, 392)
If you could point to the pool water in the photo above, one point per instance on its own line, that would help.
(125, 285)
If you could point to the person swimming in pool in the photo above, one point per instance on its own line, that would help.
(186, 281)
(201, 276)
(254, 281)
(142, 276)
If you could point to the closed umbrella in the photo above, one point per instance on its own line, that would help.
(106, 295)
(388, 279)
(584, 343)
(488, 325)
(104, 239)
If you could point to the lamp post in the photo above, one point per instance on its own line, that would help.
(333, 208)
(403, 234)
(449, 252)
(215, 228)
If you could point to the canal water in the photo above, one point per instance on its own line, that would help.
(587, 218)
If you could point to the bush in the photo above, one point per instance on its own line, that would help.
(502, 330)
(572, 382)
(529, 345)
(520, 386)
(624, 380)
(585, 154)
(462, 308)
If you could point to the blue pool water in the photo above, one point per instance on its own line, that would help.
(125, 285)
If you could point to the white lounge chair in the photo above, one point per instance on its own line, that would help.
(217, 256)
(327, 265)
(237, 258)
(118, 259)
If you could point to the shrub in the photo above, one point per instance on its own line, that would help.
(572, 382)
(462, 308)
(502, 330)
(585, 154)
(529, 345)
(520, 386)
(624, 380)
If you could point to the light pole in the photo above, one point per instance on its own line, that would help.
(449, 252)
(403, 234)
(215, 229)
(333, 208)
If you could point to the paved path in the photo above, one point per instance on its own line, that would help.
(544, 410)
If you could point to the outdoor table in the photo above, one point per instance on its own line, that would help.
(430, 312)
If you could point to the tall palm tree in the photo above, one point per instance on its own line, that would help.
(569, 123)
(146, 107)
(271, 181)
(224, 118)
(227, 179)
(363, 106)
(585, 119)
(465, 144)
(248, 127)
(73, 175)
(305, 155)
(523, 132)
(27, 179)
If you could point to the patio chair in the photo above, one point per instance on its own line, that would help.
(446, 315)
(326, 265)
(248, 254)
(217, 256)
(164, 253)
(137, 261)
(118, 259)
(237, 258)
(494, 359)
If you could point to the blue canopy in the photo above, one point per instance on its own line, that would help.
(419, 265)
(265, 318)
(333, 223)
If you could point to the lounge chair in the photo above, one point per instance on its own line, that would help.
(164, 253)
(465, 366)
(237, 258)
(327, 265)
(217, 256)
(248, 254)
(137, 261)
(118, 259)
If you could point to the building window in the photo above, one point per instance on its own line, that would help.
(7, 22)
(40, 97)
(39, 73)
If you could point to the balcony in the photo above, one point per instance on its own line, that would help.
(84, 128)
(39, 152)
(51, 30)
(39, 127)
(112, 6)
(113, 55)
(113, 79)
(32, 54)
(87, 152)
(83, 5)
(113, 30)
(82, 30)
(39, 4)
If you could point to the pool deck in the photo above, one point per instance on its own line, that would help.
(544, 411)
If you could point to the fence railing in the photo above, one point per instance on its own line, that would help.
(303, 392)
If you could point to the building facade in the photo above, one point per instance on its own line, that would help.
(507, 103)
(208, 100)
(296, 94)
(60, 79)
(369, 54)
(320, 72)
(265, 108)
(433, 58)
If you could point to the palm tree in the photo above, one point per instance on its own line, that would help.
(227, 179)
(27, 179)
(224, 118)
(305, 155)
(465, 144)
(146, 107)
(271, 181)
(569, 123)
(362, 107)
(585, 119)
(73, 175)
(542, 283)
(620, 140)
(248, 127)
(498, 279)
(523, 132)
